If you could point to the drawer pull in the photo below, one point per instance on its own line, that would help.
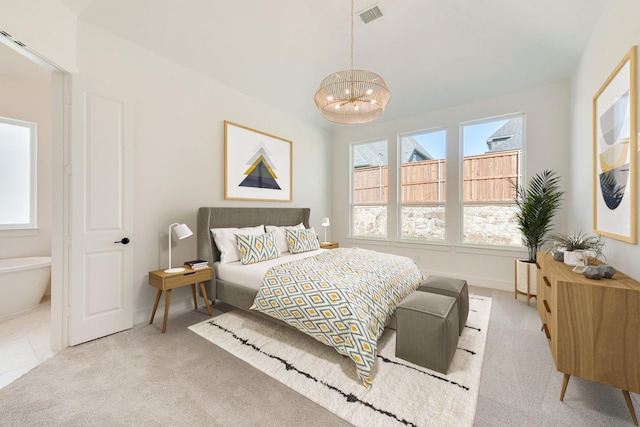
(546, 331)
(546, 281)
(546, 306)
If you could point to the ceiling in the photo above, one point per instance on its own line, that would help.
(432, 53)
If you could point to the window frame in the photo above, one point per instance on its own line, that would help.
(400, 203)
(462, 203)
(352, 203)
(33, 184)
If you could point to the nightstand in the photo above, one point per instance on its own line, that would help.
(328, 245)
(168, 281)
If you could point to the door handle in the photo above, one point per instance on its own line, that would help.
(124, 241)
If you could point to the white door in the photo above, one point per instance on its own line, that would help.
(101, 214)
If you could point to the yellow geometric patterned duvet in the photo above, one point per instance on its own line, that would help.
(341, 297)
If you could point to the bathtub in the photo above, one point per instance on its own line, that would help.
(23, 282)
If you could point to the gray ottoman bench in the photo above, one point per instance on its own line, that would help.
(456, 288)
(427, 330)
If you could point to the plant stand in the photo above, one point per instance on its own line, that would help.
(525, 279)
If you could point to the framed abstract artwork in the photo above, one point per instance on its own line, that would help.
(257, 166)
(615, 153)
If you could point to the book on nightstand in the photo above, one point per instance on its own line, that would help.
(196, 264)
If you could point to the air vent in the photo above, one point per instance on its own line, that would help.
(370, 13)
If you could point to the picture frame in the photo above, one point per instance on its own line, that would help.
(257, 166)
(615, 151)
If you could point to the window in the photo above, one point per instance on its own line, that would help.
(492, 151)
(17, 174)
(369, 182)
(422, 177)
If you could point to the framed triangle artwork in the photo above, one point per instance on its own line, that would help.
(257, 166)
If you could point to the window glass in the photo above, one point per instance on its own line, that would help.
(17, 174)
(370, 172)
(491, 166)
(422, 173)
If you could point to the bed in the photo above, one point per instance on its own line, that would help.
(341, 297)
(236, 294)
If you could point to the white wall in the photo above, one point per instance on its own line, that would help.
(614, 35)
(547, 147)
(46, 27)
(26, 95)
(179, 141)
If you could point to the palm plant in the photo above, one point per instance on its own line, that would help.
(537, 204)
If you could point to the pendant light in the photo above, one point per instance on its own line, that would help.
(352, 96)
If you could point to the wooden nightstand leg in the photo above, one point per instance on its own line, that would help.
(627, 398)
(155, 305)
(206, 298)
(193, 291)
(565, 382)
(166, 311)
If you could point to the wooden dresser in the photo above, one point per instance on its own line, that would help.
(592, 326)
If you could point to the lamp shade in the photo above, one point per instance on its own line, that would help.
(182, 231)
(352, 97)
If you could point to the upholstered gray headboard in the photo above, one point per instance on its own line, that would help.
(214, 217)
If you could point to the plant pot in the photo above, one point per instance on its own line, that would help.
(574, 258)
(526, 276)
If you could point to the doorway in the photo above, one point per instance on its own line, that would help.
(25, 71)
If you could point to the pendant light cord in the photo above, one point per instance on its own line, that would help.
(352, 35)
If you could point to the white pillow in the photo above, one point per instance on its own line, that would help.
(226, 241)
(281, 235)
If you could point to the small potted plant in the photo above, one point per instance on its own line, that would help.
(579, 241)
(537, 205)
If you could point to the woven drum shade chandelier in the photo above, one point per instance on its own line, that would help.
(352, 96)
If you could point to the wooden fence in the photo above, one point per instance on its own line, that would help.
(486, 177)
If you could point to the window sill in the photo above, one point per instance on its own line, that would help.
(435, 246)
(429, 245)
(378, 241)
(19, 232)
(504, 251)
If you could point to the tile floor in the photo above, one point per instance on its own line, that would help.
(25, 342)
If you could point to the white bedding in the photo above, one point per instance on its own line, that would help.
(251, 275)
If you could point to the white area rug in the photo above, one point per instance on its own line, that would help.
(402, 393)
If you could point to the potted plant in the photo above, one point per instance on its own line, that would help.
(578, 241)
(537, 204)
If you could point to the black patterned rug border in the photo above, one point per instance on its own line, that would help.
(351, 398)
(430, 374)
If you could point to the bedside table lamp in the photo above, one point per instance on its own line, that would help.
(325, 224)
(182, 231)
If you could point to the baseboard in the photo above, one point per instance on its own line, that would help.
(482, 282)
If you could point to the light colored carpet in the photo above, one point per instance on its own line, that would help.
(142, 377)
(402, 393)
